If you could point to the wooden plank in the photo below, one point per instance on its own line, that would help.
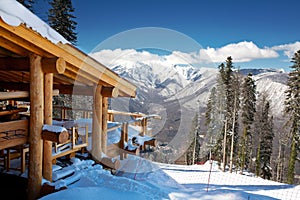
(13, 142)
(12, 47)
(11, 112)
(14, 125)
(20, 94)
(67, 152)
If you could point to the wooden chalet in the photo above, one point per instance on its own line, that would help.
(36, 67)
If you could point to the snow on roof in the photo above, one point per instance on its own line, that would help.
(14, 14)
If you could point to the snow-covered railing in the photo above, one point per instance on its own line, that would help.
(54, 133)
(138, 142)
(74, 141)
(127, 144)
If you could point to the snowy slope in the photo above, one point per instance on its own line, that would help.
(141, 179)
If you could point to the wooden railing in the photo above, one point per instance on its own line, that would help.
(13, 133)
(139, 119)
(85, 113)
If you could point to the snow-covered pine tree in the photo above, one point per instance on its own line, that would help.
(292, 109)
(248, 107)
(61, 19)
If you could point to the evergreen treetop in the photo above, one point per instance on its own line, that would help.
(61, 19)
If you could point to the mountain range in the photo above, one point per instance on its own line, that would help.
(177, 92)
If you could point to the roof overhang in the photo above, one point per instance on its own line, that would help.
(81, 69)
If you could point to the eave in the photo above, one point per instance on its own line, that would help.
(81, 69)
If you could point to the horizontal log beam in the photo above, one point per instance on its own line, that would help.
(54, 65)
(19, 95)
(56, 134)
(110, 92)
(50, 65)
(11, 112)
(75, 90)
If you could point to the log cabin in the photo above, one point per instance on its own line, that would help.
(37, 63)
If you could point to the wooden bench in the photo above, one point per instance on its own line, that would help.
(14, 136)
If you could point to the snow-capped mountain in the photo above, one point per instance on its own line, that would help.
(166, 80)
(177, 92)
(192, 85)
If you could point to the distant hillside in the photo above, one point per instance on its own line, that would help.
(178, 92)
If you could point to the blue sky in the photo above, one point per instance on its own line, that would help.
(271, 26)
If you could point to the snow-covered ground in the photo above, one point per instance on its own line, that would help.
(141, 179)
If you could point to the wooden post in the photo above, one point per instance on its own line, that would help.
(126, 136)
(47, 164)
(104, 124)
(144, 126)
(36, 125)
(122, 140)
(97, 124)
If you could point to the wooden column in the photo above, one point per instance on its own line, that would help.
(105, 93)
(47, 164)
(144, 126)
(104, 124)
(97, 124)
(36, 124)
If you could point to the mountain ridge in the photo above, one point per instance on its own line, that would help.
(177, 92)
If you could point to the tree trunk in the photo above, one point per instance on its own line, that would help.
(232, 136)
(224, 147)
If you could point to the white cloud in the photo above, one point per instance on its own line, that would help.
(288, 49)
(240, 52)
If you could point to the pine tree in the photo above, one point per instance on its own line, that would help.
(266, 142)
(257, 161)
(264, 136)
(235, 116)
(292, 109)
(27, 3)
(248, 111)
(61, 19)
(194, 139)
(231, 87)
(215, 120)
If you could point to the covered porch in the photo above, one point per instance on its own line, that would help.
(35, 66)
